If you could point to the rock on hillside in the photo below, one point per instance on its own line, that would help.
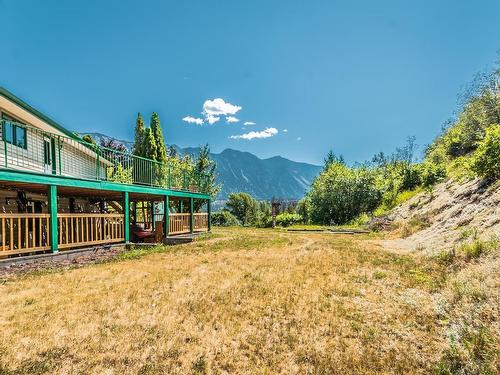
(451, 212)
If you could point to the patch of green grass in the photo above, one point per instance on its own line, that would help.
(379, 275)
(477, 248)
(306, 227)
(469, 290)
(140, 251)
(472, 352)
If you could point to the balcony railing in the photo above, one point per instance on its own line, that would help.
(32, 149)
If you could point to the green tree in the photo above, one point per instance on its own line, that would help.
(243, 207)
(161, 150)
(149, 145)
(139, 134)
(224, 218)
(146, 171)
(204, 172)
(332, 158)
(486, 160)
(340, 193)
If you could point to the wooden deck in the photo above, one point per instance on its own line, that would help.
(26, 233)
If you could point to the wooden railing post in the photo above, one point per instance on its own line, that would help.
(165, 216)
(126, 217)
(53, 218)
(191, 216)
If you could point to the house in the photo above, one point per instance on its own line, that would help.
(59, 192)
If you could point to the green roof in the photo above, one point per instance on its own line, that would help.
(7, 94)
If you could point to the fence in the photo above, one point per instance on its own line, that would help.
(200, 221)
(89, 229)
(32, 149)
(178, 223)
(24, 233)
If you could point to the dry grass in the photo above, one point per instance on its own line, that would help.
(245, 301)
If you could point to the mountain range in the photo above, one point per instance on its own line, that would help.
(243, 171)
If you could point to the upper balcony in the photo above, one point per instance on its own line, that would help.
(30, 149)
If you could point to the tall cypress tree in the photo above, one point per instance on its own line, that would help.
(150, 148)
(150, 152)
(139, 133)
(161, 149)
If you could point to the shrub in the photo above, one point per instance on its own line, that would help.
(286, 219)
(478, 247)
(340, 193)
(486, 160)
(432, 173)
(224, 218)
(243, 206)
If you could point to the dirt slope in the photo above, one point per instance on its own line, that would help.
(451, 212)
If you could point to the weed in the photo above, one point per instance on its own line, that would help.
(473, 352)
(478, 247)
(200, 365)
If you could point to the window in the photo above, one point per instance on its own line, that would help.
(14, 134)
(20, 137)
(8, 133)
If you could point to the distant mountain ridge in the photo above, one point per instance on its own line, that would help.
(243, 171)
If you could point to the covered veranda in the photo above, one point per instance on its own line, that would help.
(39, 217)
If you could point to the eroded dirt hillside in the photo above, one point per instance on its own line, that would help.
(451, 213)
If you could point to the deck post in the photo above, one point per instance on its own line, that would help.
(53, 218)
(191, 216)
(152, 212)
(209, 212)
(126, 216)
(165, 216)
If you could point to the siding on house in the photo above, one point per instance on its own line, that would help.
(76, 160)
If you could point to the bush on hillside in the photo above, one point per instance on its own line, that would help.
(286, 219)
(431, 173)
(224, 218)
(486, 160)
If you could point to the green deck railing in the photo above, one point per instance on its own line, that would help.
(32, 149)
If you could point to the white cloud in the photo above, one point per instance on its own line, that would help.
(246, 123)
(268, 132)
(193, 120)
(219, 107)
(212, 119)
(285, 130)
(230, 119)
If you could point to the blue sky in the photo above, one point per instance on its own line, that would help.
(357, 77)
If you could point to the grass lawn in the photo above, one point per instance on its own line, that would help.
(245, 300)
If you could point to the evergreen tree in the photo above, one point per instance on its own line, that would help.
(149, 170)
(139, 134)
(161, 149)
(172, 152)
(149, 147)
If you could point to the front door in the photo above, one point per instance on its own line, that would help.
(49, 155)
